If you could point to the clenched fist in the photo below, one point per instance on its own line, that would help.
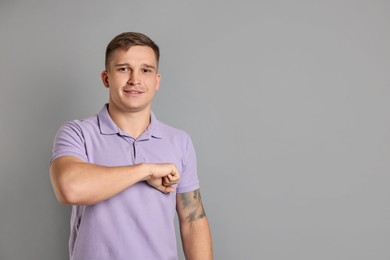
(162, 176)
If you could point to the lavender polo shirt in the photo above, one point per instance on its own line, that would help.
(138, 223)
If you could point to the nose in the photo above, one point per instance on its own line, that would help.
(134, 78)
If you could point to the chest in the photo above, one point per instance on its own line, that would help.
(116, 150)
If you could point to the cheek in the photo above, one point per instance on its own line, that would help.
(153, 84)
(117, 81)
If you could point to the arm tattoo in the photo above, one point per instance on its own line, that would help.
(192, 203)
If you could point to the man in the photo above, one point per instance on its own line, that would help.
(125, 172)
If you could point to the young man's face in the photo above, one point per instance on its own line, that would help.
(132, 79)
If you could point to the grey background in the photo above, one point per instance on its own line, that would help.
(287, 103)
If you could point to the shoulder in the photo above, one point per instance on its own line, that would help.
(172, 133)
(89, 124)
(170, 130)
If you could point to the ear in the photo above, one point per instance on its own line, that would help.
(104, 76)
(158, 78)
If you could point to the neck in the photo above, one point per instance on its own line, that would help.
(133, 123)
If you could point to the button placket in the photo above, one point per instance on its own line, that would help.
(137, 152)
(131, 152)
(139, 156)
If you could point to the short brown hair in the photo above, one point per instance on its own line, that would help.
(129, 39)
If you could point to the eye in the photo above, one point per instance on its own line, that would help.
(146, 70)
(123, 69)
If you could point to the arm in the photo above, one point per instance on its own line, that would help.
(80, 183)
(194, 226)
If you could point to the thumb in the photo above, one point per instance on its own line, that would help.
(169, 189)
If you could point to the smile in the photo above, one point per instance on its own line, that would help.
(133, 93)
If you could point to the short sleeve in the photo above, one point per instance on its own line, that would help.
(69, 141)
(189, 176)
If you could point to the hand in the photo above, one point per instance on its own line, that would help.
(163, 176)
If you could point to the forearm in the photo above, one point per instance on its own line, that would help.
(196, 239)
(194, 226)
(79, 183)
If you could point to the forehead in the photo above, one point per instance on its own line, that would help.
(134, 55)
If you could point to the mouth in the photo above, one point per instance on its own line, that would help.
(132, 92)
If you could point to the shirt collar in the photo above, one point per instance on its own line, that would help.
(153, 129)
(108, 127)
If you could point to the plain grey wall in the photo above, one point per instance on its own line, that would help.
(287, 103)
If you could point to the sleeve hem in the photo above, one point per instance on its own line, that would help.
(188, 188)
(68, 153)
